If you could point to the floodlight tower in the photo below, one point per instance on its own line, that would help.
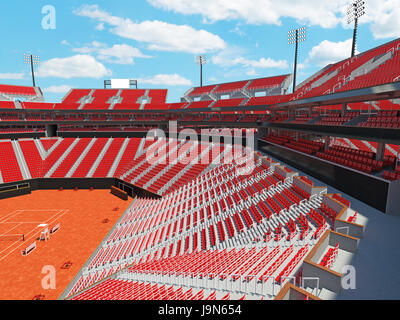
(295, 37)
(355, 11)
(201, 60)
(32, 60)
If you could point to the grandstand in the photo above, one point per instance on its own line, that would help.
(212, 219)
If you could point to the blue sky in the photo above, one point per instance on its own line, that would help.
(156, 41)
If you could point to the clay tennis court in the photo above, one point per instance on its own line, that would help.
(81, 214)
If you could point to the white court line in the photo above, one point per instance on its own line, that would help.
(25, 222)
(6, 216)
(21, 211)
(58, 211)
(4, 234)
(61, 212)
(26, 239)
(42, 210)
(17, 212)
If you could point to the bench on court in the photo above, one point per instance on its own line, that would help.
(29, 249)
(119, 193)
(55, 228)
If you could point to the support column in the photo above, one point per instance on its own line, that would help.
(380, 151)
(344, 109)
(261, 134)
(327, 143)
(51, 130)
(163, 127)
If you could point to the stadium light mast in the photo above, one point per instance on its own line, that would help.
(354, 12)
(32, 60)
(201, 60)
(295, 37)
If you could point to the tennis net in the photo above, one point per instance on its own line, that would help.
(12, 237)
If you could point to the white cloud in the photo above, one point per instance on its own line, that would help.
(159, 35)
(238, 31)
(301, 66)
(325, 13)
(233, 56)
(58, 89)
(100, 27)
(251, 73)
(92, 47)
(263, 63)
(119, 53)
(167, 80)
(327, 52)
(11, 76)
(78, 66)
(84, 50)
(382, 15)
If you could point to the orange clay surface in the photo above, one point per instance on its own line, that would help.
(80, 214)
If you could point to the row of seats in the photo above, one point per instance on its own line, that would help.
(232, 87)
(216, 117)
(302, 145)
(363, 160)
(363, 153)
(118, 289)
(17, 90)
(178, 233)
(346, 163)
(9, 166)
(206, 237)
(126, 99)
(342, 81)
(66, 155)
(384, 119)
(330, 257)
(391, 176)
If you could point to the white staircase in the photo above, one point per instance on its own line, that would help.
(140, 148)
(350, 143)
(81, 157)
(369, 146)
(86, 99)
(61, 159)
(43, 153)
(99, 158)
(394, 152)
(172, 164)
(142, 103)
(21, 160)
(166, 142)
(17, 104)
(118, 158)
(116, 99)
(182, 172)
(164, 158)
